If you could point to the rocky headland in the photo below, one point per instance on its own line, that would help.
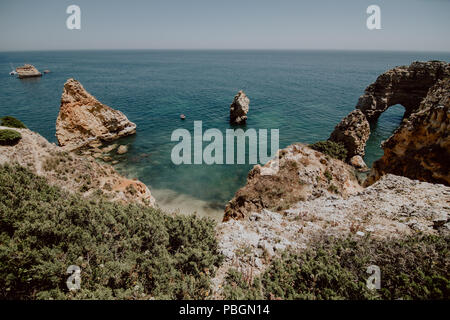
(83, 125)
(419, 88)
(72, 172)
(420, 147)
(314, 195)
(405, 85)
(390, 208)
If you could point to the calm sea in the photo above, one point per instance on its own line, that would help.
(304, 94)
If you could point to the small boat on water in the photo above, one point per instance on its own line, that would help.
(46, 71)
(182, 116)
(13, 72)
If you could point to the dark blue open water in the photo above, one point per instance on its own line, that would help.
(302, 93)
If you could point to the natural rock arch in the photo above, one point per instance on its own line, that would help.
(406, 85)
(420, 147)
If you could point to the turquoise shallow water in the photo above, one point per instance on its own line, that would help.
(304, 94)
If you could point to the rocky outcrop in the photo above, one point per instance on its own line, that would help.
(83, 119)
(73, 172)
(420, 147)
(353, 132)
(405, 85)
(28, 71)
(314, 197)
(239, 108)
(389, 208)
(303, 174)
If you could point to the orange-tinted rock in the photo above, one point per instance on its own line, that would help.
(405, 85)
(303, 174)
(83, 119)
(73, 172)
(420, 147)
(353, 132)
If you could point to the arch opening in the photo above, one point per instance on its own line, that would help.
(381, 130)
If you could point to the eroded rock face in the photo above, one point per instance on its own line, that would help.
(239, 108)
(420, 147)
(303, 174)
(28, 71)
(73, 172)
(83, 119)
(405, 85)
(353, 132)
(358, 163)
(390, 208)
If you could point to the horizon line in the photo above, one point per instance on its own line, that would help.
(225, 49)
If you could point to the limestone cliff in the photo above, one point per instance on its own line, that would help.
(405, 85)
(420, 147)
(389, 208)
(72, 172)
(83, 119)
(314, 195)
(303, 174)
(353, 132)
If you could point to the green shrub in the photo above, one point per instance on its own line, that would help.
(238, 288)
(333, 149)
(416, 267)
(124, 251)
(12, 122)
(9, 137)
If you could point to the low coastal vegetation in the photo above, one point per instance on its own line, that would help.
(12, 123)
(124, 251)
(333, 149)
(9, 137)
(416, 267)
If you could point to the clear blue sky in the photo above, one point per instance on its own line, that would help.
(226, 24)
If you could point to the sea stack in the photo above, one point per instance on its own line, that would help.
(82, 119)
(28, 71)
(239, 108)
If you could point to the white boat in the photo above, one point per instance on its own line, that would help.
(13, 72)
